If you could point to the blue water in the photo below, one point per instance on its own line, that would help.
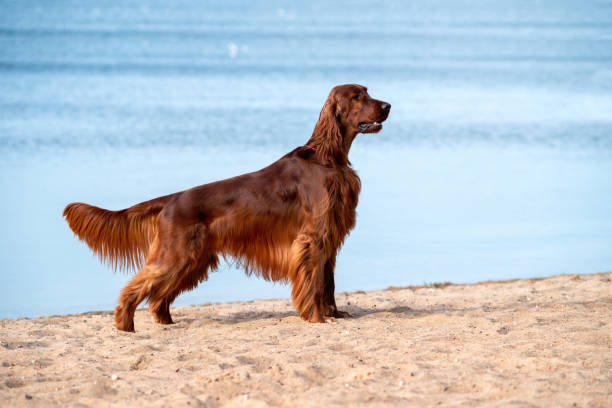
(495, 163)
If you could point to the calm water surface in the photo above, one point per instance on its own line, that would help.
(495, 163)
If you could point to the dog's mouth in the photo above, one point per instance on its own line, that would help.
(370, 127)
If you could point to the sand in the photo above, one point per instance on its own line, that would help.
(539, 342)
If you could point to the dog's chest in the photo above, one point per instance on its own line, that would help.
(343, 189)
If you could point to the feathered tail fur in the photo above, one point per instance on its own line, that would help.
(119, 238)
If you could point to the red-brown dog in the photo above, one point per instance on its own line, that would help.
(285, 222)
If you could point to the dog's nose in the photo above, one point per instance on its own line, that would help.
(386, 107)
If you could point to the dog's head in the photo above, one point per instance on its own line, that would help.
(355, 110)
(349, 110)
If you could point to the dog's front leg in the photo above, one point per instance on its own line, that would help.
(308, 278)
(331, 310)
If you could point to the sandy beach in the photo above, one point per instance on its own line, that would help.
(525, 343)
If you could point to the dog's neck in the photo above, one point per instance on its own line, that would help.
(330, 145)
(348, 141)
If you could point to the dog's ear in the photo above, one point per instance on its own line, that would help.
(327, 135)
(340, 107)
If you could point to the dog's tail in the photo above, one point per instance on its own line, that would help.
(119, 238)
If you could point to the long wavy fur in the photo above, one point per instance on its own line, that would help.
(120, 239)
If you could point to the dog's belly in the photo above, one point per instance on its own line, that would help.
(261, 244)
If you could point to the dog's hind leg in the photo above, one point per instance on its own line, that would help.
(161, 310)
(137, 290)
(160, 284)
(175, 263)
(191, 275)
(155, 278)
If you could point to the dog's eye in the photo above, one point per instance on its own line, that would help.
(356, 97)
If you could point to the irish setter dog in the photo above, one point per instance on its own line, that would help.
(285, 222)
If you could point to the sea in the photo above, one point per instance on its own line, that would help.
(495, 162)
